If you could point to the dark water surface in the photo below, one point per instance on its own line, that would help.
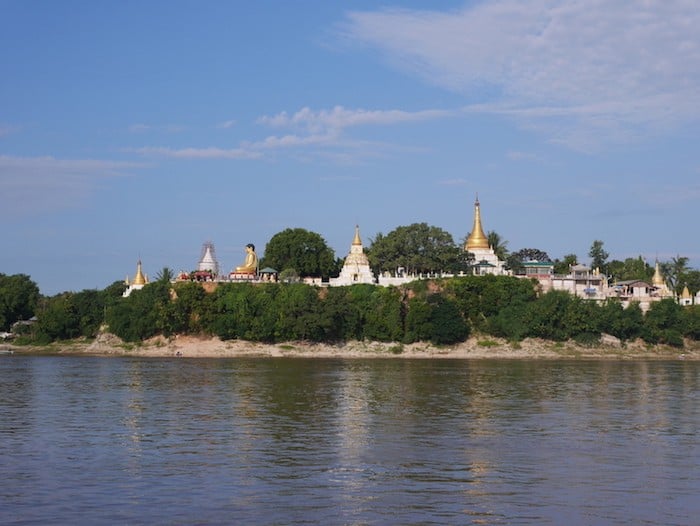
(297, 441)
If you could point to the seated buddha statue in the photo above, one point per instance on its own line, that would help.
(250, 265)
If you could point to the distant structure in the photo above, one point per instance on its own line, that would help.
(485, 259)
(659, 283)
(139, 281)
(685, 299)
(207, 260)
(356, 267)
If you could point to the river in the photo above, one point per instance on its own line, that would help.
(282, 441)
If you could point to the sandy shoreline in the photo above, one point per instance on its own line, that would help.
(479, 347)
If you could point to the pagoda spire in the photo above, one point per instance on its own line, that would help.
(658, 280)
(139, 278)
(477, 238)
(356, 240)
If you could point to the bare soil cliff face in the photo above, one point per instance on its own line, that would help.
(478, 347)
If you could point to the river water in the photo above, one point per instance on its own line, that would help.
(350, 442)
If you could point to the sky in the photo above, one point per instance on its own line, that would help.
(141, 130)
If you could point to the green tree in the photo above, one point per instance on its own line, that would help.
(419, 325)
(19, 297)
(498, 244)
(559, 316)
(663, 323)
(56, 320)
(166, 274)
(189, 308)
(299, 314)
(598, 256)
(623, 323)
(448, 325)
(691, 278)
(690, 321)
(299, 249)
(630, 269)
(515, 260)
(675, 272)
(143, 314)
(415, 248)
(380, 311)
(479, 298)
(342, 315)
(563, 266)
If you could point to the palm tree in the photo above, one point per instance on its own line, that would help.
(674, 272)
(498, 244)
(165, 275)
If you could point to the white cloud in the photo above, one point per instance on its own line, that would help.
(340, 118)
(38, 184)
(226, 124)
(142, 128)
(320, 129)
(197, 153)
(583, 72)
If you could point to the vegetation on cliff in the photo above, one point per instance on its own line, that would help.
(442, 312)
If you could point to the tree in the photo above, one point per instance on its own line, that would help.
(629, 269)
(663, 323)
(498, 244)
(598, 255)
(143, 314)
(674, 271)
(692, 279)
(417, 248)
(19, 297)
(299, 249)
(165, 275)
(69, 315)
(563, 266)
(515, 260)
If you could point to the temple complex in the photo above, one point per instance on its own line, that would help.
(580, 280)
(139, 281)
(356, 267)
(485, 259)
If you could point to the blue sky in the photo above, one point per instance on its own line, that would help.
(143, 129)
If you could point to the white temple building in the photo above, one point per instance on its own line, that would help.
(139, 281)
(356, 267)
(485, 259)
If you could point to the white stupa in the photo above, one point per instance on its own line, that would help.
(207, 261)
(356, 267)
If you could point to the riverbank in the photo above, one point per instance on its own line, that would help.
(479, 347)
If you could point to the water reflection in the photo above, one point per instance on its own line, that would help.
(283, 441)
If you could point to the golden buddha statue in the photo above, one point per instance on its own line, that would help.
(250, 265)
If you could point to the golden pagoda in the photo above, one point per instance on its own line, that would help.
(139, 278)
(139, 281)
(658, 280)
(357, 241)
(477, 238)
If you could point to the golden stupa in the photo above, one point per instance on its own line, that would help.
(139, 278)
(477, 238)
(658, 280)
